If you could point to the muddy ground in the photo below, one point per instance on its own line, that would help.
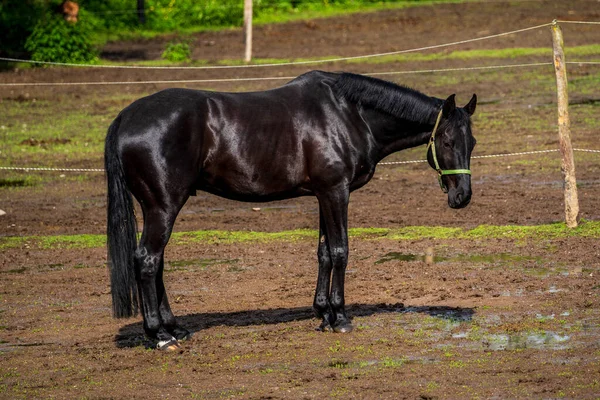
(488, 318)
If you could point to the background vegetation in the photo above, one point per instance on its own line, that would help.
(100, 21)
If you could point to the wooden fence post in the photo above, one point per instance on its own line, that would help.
(248, 30)
(564, 129)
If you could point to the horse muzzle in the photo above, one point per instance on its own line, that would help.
(459, 197)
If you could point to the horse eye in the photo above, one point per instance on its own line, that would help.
(447, 145)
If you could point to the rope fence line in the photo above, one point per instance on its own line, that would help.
(221, 80)
(579, 22)
(329, 60)
(51, 169)
(42, 169)
(269, 78)
(521, 153)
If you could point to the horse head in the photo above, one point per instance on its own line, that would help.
(449, 150)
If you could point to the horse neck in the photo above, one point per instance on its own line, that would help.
(394, 133)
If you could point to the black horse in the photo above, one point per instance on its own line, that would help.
(321, 134)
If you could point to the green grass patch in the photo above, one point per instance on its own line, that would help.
(22, 181)
(83, 241)
(586, 229)
(216, 236)
(424, 232)
(34, 130)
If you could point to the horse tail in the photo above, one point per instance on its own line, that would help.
(121, 230)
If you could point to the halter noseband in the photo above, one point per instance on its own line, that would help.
(442, 172)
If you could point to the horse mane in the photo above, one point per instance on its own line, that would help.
(399, 101)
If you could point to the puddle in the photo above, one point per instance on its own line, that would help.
(539, 340)
(514, 293)
(474, 258)
(544, 272)
(534, 265)
(554, 289)
(237, 268)
(544, 340)
(20, 270)
(394, 256)
(198, 264)
(442, 313)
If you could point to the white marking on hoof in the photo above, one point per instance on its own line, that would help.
(169, 345)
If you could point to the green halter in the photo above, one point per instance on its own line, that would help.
(442, 172)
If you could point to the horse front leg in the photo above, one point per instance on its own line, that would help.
(333, 207)
(321, 304)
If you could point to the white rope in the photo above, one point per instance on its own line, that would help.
(579, 22)
(473, 157)
(26, 169)
(583, 62)
(587, 150)
(189, 81)
(461, 69)
(279, 64)
(522, 153)
(147, 82)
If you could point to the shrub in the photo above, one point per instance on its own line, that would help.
(177, 52)
(56, 40)
(17, 19)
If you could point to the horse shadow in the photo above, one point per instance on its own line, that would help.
(132, 335)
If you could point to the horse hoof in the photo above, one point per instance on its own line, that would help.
(168, 345)
(182, 334)
(324, 327)
(343, 328)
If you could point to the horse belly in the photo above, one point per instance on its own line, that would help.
(256, 183)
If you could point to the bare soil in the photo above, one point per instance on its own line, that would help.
(488, 318)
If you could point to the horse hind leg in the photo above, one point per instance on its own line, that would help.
(166, 315)
(159, 321)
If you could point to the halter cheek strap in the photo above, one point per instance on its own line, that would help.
(442, 172)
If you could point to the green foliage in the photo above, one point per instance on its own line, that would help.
(117, 19)
(54, 39)
(17, 19)
(177, 52)
(181, 15)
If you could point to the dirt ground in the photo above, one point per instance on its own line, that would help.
(488, 318)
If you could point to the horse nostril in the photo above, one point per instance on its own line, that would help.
(459, 198)
(467, 199)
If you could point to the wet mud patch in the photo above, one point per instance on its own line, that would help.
(422, 329)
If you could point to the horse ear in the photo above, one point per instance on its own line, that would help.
(470, 107)
(449, 106)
